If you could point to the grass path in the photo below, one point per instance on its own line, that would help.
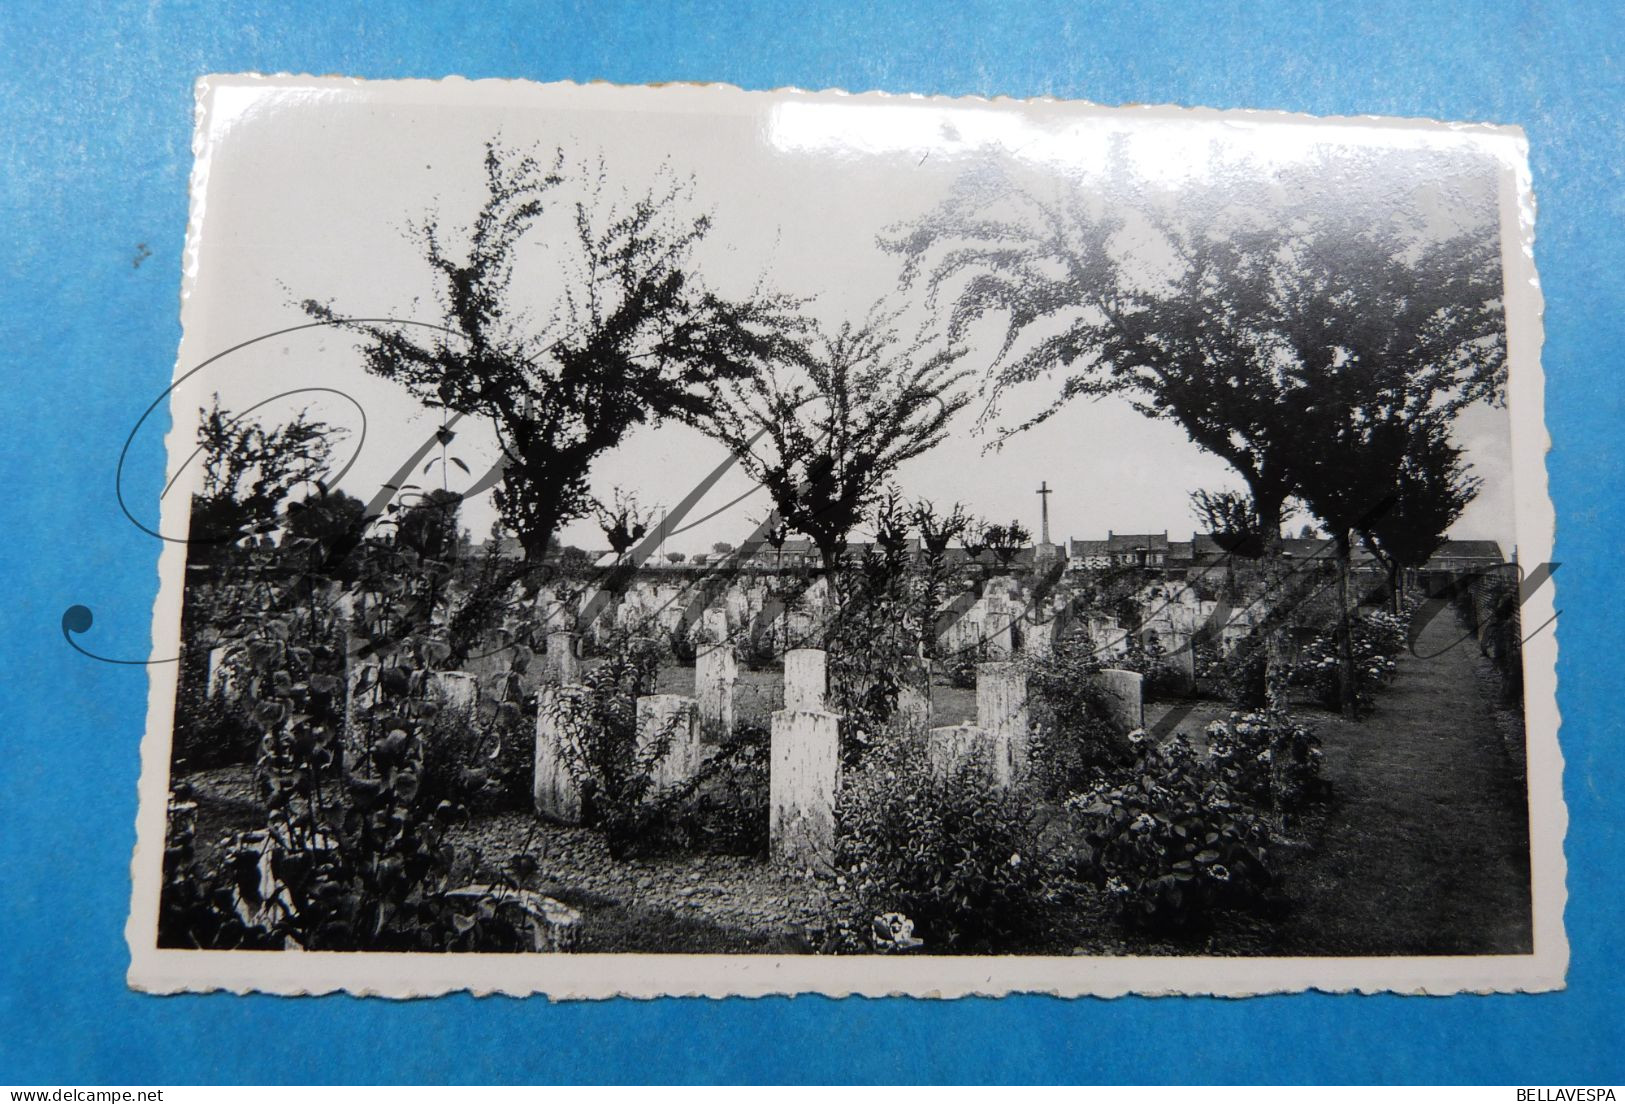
(1425, 847)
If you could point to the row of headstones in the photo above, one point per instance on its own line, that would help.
(804, 754)
(716, 674)
(667, 608)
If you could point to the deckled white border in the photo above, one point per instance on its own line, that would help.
(643, 976)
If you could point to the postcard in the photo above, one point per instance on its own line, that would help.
(688, 541)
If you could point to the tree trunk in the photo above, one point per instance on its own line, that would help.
(1269, 508)
(1277, 655)
(535, 546)
(1346, 698)
(829, 551)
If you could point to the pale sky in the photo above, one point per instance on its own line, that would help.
(307, 192)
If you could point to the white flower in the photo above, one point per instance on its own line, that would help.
(1015, 858)
(894, 931)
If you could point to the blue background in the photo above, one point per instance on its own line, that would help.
(96, 119)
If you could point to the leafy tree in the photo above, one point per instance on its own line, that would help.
(879, 632)
(1219, 334)
(328, 518)
(974, 536)
(722, 548)
(1431, 489)
(623, 522)
(626, 335)
(428, 525)
(937, 531)
(248, 470)
(891, 521)
(837, 420)
(675, 557)
(572, 558)
(1386, 336)
(1007, 540)
(1232, 518)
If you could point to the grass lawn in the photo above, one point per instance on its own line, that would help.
(1424, 849)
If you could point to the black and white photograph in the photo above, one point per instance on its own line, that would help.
(680, 540)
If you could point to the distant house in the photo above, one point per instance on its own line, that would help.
(1462, 556)
(1137, 549)
(508, 548)
(796, 552)
(1324, 548)
(1093, 555)
(1156, 552)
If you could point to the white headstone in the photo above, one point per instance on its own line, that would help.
(1005, 586)
(555, 790)
(1179, 653)
(219, 672)
(1001, 709)
(553, 924)
(557, 615)
(913, 709)
(361, 692)
(737, 607)
(562, 667)
(716, 672)
(805, 680)
(949, 748)
(1109, 638)
(1041, 626)
(1124, 698)
(456, 689)
(805, 771)
(658, 713)
(998, 638)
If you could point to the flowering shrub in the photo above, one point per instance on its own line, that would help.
(1378, 638)
(1149, 660)
(351, 857)
(1172, 842)
(883, 618)
(723, 808)
(1386, 633)
(481, 762)
(597, 723)
(893, 931)
(1074, 738)
(961, 666)
(1269, 759)
(948, 849)
(1238, 677)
